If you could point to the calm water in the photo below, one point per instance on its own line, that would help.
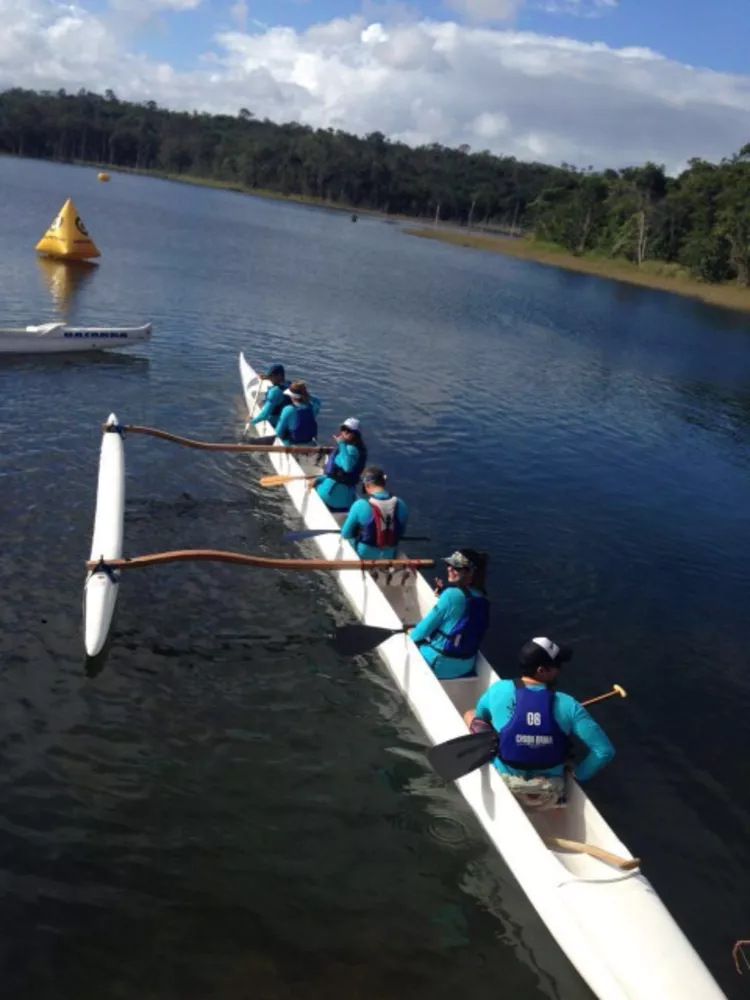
(228, 810)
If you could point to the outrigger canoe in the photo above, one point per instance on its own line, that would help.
(57, 338)
(610, 923)
(102, 585)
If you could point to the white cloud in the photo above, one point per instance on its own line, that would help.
(513, 92)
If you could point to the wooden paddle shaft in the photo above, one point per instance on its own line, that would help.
(261, 562)
(616, 690)
(210, 446)
(281, 479)
(627, 864)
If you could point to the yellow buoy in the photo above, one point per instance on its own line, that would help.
(102, 177)
(67, 237)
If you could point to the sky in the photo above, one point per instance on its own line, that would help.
(602, 83)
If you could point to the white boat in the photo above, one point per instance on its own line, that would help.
(610, 923)
(101, 587)
(57, 338)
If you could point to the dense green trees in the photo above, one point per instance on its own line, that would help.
(699, 221)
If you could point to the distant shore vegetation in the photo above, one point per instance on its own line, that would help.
(694, 227)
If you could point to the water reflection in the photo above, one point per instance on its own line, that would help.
(64, 280)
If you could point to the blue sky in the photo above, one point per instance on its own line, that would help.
(713, 36)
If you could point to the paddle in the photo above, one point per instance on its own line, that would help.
(626, 864)
(461, 755)
(454, 758)
(351, 640)
(279, 480)
(298, 536)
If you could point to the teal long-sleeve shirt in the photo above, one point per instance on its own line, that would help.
(445, 613)
(359, 515)
(496, 707)
(283, 427)
(338, 496)
(274, 397)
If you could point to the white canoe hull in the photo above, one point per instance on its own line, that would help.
(101, 588)
(57, 338)
(611, 924)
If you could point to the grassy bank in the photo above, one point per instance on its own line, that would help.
(651, 274)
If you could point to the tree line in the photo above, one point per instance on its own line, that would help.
(698, 221)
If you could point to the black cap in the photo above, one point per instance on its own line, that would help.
(543, 653)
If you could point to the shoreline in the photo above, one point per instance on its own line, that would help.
(653, 275)
(219, 185)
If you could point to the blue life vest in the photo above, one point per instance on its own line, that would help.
(532, 740)
(383, 529)
(335, 472)
(464, 638)
(304, 427)
(275, 411)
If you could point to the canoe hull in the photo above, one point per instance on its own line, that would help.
(590, 908)
(55, 338)
(101, 588)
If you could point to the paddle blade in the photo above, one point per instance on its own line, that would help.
(351, 640)
(463, 754)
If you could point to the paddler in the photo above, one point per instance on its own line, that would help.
(376, 524)
(297, 423)
(534, 723)
(275, 398)
(450, 633)
(337, 486)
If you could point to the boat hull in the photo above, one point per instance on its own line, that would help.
(102, 586)
(591, 909)
(55, 338)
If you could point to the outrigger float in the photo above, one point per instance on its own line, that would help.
(584, 882)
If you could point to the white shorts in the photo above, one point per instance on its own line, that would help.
(542, 792)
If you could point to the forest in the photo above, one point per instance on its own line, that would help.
(699, 220)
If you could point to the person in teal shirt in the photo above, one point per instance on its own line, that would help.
(337, 487)
(450, 633)
(535, 722)
(275, 399)
(297, 423)
(376, 524)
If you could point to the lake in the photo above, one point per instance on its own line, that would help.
(229, 809)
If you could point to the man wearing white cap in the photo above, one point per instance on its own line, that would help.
(337, 487)
(534, 723)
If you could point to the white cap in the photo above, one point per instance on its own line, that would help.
(351, 423)
(292, 395)
(555, 654)
(550, 648)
